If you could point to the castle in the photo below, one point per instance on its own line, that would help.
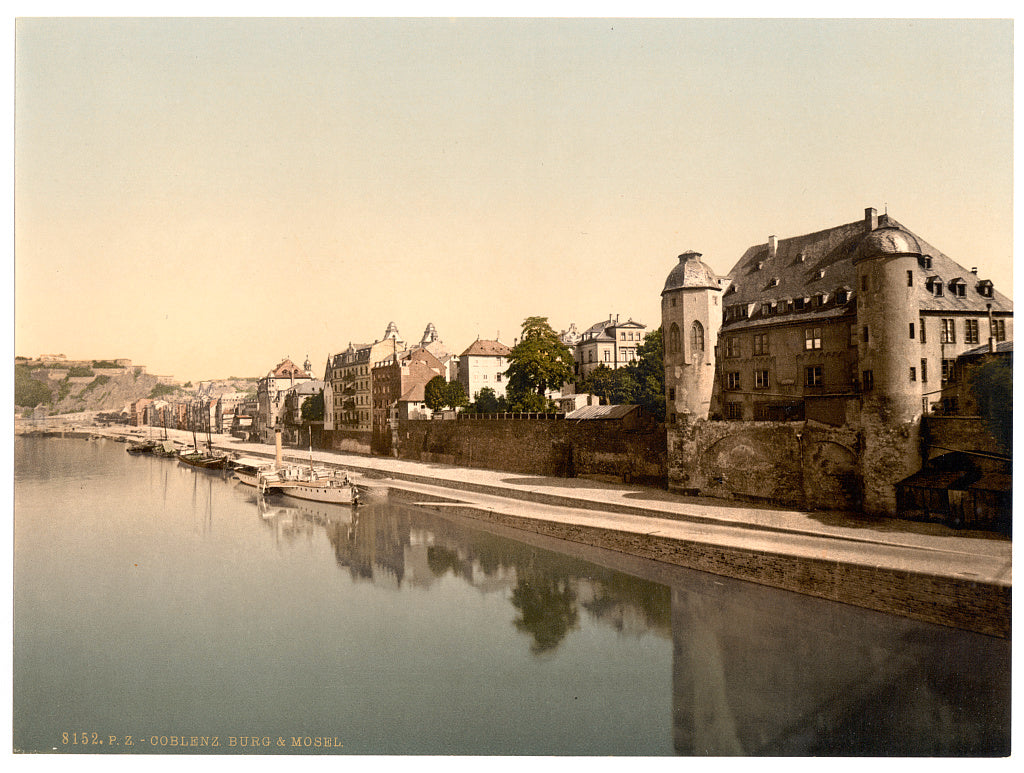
(828, 348)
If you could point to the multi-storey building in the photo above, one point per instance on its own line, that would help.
(483, 364)
(400, 378)
(270, 395)
(294, 430)
(348, 382)
(610, 342)
(225, 412)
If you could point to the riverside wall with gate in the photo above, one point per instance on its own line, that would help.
(539, 445)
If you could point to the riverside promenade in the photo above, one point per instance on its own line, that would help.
(924, 571)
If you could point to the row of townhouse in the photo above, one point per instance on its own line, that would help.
(214, 414)
(368, 385)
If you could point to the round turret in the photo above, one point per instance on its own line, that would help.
(691, 316)
(887, 240)
(888, 350)
(690, 272)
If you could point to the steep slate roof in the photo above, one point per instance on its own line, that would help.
(484, 348)
(599, 328)
(822, 262)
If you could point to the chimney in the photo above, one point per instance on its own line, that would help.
(974, 270)
(871, 218)
(772, 247)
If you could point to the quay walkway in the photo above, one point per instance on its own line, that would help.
(925, 571)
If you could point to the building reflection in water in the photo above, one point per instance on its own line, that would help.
(762, 672)
(756, 671)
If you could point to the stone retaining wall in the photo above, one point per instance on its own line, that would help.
(952, 602)
(805, 465)
(564, 449)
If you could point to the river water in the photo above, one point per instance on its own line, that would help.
(159, 609)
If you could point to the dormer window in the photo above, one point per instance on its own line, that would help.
(821, 273)
(934, 285)
(925, 261)
(985, 288)
(958, 287)
(819, 300)
(759, 265)
(799, 303)
(842, 296)
(773, 282)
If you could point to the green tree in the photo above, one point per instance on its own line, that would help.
(529, 402)
(29, 392)
(439, 394)
(539, 362)
(435, 393)
(648, 374)
(456, 395)
(313, 407)
(993, 388)
(487, 401)
(615, 387)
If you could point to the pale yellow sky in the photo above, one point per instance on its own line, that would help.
(208, 196)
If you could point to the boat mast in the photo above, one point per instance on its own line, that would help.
(209, 437)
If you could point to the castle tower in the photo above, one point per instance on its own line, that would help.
(889, 266)
(888, 262)
(691, 316)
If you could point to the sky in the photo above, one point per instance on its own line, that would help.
(209, 196)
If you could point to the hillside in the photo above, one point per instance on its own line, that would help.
(59, 387)
(79, 389)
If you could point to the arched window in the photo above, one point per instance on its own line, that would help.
(697, 341)
(674, 339)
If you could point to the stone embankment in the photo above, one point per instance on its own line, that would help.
(922, 571)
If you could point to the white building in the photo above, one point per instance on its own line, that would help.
(482, 365)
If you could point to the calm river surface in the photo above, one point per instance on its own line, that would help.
(158, 609)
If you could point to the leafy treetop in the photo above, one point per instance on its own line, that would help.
(540, 361)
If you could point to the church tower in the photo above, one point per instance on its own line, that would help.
(691, 316)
